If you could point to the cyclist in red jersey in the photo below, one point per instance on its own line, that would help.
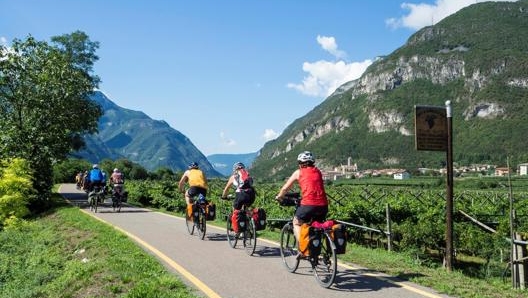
(314, 203)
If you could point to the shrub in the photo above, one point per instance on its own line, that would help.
(15, 190)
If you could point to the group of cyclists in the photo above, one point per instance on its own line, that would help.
(98, 178)
(314, 205)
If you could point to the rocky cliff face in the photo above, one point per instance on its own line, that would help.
(479, 67)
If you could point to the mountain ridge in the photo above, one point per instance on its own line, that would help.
(475, 58)
(125, 133)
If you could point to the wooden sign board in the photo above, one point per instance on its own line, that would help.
(430, 124)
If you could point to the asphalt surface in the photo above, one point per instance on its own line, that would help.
(215, 269)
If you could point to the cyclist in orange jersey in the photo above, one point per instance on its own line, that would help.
(197, 183)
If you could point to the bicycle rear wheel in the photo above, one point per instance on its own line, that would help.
(201, 223)
(118, 204)
(288, 248)
(231, 235)
(189, 222)
(325, 266)
(91, 202)
(250, 237)
(96, 203)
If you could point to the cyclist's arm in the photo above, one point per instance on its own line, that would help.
(184, 178)
(228, 185)
(294, 177)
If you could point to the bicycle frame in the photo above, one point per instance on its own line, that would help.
(324, 265)
(248, 235)
(198, 218)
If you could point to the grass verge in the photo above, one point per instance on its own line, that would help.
(66, 253)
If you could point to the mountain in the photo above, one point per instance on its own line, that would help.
(129, 134)
(223, 163)
(477, 58)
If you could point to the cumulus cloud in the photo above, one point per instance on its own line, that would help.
(324, 77)
(329, 44)
(226, 141)
(3, 40)
(421, 15)
(269, 134)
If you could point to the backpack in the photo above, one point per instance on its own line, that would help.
(118, 178)
(96, 175)
(244, 179)
(238, 221)
(310, 240)
(259, 217)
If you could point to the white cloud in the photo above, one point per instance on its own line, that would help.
(325, 77)
(227, 142)
(3, 40)
(329, 44)
(269, 134)
(422, 14)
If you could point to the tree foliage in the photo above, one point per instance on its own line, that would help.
(15, 190)
(44, 105)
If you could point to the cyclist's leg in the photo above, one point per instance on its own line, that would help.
(303, 214)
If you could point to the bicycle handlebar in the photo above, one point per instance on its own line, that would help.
(229, 197)
(290, 199)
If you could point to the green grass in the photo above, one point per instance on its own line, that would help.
(66, 253)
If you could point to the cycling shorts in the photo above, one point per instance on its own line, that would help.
(244, 197)
(309, 213)
(195, 190)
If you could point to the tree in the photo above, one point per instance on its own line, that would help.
(44, 104)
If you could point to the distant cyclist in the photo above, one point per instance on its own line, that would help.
(243, 185)
(95, 177)
(117, 179)
(196, 180)
(314, 203)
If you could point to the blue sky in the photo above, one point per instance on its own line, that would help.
(228, 74)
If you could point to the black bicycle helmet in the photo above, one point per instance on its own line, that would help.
(193, 165)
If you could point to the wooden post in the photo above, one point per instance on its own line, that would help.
(389, 228)
(449, 195)
(520, 266)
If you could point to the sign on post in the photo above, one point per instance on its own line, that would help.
(430, 128)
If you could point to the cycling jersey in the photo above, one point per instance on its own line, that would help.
(197, 178)
(312, 187)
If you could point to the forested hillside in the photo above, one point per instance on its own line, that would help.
(476, 58)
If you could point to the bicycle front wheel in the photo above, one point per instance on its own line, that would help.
(231, 235)
(201, 223)
(288, 248)
(250, 237)
(325, 266)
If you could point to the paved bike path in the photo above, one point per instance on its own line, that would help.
(217, 270)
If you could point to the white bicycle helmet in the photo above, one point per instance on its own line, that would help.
(116, 170)
(306, 157)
